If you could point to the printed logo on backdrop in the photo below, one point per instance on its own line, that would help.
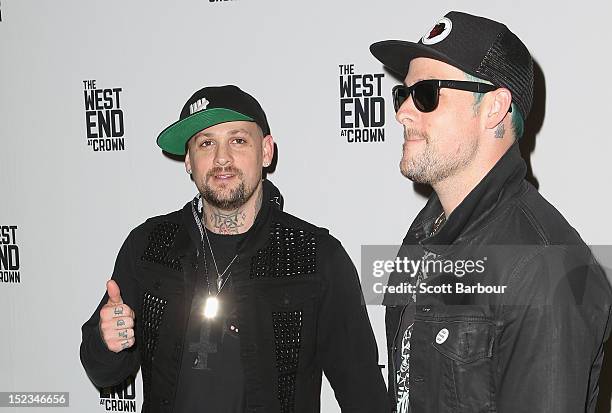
(119, 398)
(362, 107)
(103, 117)
(9, 255)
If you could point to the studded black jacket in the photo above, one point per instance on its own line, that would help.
(535, 346)
(299, 307)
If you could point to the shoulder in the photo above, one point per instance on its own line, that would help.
(292, 226)
(545, 220)
(530, 219)
(568, 274)
(160, 226)
(289, 220)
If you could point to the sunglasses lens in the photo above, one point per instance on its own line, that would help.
(400, 94)
(425, 96)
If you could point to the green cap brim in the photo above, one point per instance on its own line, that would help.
(174, 137)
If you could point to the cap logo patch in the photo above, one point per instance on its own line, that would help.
(198, 105)
(439, 32)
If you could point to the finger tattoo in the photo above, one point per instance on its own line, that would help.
(123, 334)
(118, 310)
(125, 344)
(120, 323)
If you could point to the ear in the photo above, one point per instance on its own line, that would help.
(188, 163)
(499, 103)
(267, 146)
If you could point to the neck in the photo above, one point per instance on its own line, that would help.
(236, 221)
(453, 190)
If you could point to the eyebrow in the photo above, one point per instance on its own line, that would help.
(232, 132)
(430, 77)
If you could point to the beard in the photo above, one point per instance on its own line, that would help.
(431, 166)
(226, 199)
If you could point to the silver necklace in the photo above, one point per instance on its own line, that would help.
(441, 220)
(211, 304)
(220, 280)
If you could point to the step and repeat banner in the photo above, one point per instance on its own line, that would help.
(86, 86)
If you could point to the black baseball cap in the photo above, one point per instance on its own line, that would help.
(481, 47)
(208, 107)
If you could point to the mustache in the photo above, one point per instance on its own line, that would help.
(223, 170)
(411, 132)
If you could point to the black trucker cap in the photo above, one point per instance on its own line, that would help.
(479, 46)
(208, 107)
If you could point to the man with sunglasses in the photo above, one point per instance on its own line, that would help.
(535, 345)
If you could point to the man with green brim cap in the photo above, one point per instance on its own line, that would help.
(229, 304)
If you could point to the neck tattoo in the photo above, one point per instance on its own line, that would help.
(231, 222)
(223, 222)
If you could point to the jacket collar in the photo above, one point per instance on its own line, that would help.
(500, 185)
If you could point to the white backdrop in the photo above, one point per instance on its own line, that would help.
(73, 206)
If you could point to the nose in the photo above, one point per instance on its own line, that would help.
(223, 156)
(407, 112)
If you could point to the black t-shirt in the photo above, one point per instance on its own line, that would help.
(211, 377)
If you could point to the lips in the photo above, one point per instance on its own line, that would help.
(412, 135)
(223, 176)
(413, 138)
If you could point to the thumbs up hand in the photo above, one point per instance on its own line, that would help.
(116, 320)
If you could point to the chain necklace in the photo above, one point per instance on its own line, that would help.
(211, 304)
(441, 220)
(220, 280)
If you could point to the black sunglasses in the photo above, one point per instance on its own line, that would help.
(426, 93)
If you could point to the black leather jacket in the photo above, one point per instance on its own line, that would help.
(290, 277)
(536, 347)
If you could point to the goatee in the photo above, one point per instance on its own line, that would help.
(236, 198)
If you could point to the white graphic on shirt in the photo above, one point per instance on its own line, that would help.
(403, 373)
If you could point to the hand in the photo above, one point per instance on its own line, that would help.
(116, 321)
